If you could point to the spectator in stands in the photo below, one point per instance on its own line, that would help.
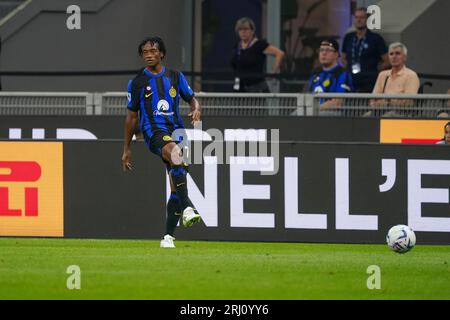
(446, 139)
(331, 77)
(364, 53)
(249, 58)
(398, 80)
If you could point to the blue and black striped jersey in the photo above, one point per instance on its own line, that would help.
(336, 80)
(156, 97)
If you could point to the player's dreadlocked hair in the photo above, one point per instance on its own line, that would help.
(152, 41)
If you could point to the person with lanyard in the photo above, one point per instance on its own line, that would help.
(331, 77)
(364, 53)
(249, 58)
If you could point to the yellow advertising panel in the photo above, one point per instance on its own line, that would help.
(31, 189)
(411, 131)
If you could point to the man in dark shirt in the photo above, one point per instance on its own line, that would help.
(364, 53)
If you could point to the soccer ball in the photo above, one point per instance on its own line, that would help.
(401, 238)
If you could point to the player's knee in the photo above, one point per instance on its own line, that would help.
(172, 153)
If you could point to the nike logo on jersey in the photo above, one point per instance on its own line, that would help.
(180, 184)
(148, 94)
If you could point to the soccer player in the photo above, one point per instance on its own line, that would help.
(155, 93)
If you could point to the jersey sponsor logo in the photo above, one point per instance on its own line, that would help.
(318, 89)
(31, 189)
(163, 108)
(173, 92)
(163, 105)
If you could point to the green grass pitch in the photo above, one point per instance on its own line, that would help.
(129, 269)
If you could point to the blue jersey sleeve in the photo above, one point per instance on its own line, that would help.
(185, 90)
(133, 96)
(344, 83)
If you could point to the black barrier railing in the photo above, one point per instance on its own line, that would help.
(104, 128)
(338, 188)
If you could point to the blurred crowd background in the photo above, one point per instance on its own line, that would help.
(39, 52)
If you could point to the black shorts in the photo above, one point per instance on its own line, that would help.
(157, 142)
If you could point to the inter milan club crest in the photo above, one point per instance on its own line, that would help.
(173, 92)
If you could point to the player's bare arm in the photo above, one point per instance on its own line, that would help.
(196, 111)
(130, 125)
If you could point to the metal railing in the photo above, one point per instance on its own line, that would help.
(381, 105)
(46, 103)
(218, 104)
(247, 104)
(234, 104)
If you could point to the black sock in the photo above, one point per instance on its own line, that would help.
(173, 213)
(178, 174)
